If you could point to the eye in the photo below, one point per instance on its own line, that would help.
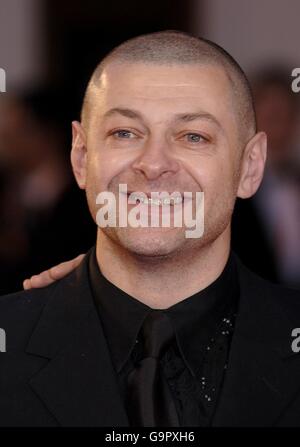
(123, 134)
(194, 138)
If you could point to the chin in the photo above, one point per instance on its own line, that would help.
(150, 242)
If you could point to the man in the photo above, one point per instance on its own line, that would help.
(154, 328)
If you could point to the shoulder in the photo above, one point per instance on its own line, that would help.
(20, 311)
(27, 302)
(53, 305)
(25, 299)
(267, 296)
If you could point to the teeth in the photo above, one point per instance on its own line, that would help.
(136, 196)
(148, 200)
(178, 199)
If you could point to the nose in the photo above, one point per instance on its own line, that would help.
(155, 160)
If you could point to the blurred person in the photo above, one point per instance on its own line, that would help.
(37, 196)
(153, 328)
(269, 223)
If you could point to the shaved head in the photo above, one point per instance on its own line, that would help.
(178, 48)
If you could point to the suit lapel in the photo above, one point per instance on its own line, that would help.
(263, 373)
(79, 384)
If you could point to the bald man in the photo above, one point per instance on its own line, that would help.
(157, 325)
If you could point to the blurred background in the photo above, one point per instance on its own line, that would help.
(49, 49)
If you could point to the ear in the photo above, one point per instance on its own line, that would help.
(79, 153)
(253, 164)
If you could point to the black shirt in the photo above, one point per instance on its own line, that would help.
(195, 364)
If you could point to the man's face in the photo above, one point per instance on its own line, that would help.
(164, 128)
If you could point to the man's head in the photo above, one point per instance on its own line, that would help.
(169, 112)
(177, 48)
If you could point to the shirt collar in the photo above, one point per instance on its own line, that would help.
(194, 319)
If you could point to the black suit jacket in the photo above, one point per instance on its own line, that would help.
(57, 370)
(246, 221)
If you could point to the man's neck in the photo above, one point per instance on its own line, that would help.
(162, 282)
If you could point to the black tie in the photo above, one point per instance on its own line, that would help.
(150, 403)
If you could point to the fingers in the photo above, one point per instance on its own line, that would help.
(53, 274)
(61, 270)
(26, 284)
(41, 280)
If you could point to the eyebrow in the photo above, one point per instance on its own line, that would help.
(179, 117)
(128, 113)
(188, 117)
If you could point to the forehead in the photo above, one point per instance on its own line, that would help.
(167, 84)
(160, 92)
